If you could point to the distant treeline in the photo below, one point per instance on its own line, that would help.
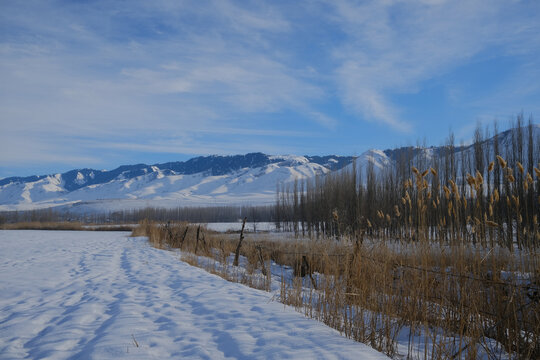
(487, 193)
(190, 214)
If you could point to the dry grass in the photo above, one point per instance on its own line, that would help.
(76, 226)
(458, 297)
(459, 280)
(44, 226)
(453, 296)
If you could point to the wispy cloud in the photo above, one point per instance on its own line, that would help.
(392, 47)
(101, 69)
(20, 149)
(215, 76)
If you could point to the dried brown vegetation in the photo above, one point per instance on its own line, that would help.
(38, 225)
(468, 196)
(63, 225)
(462, 299)
(443, 252)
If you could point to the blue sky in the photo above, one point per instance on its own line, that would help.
(104, 83)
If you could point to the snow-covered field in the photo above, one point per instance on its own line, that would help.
(103, 295)
(237, 226)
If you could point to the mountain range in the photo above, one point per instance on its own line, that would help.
(201, 181)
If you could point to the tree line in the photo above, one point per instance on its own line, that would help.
(486, 193)
(263, 213)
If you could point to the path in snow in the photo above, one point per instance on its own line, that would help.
(94, 295)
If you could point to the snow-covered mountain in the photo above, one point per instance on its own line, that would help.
(211, 180)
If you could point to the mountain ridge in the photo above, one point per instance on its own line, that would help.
(216, 164)
(202, 180)
(205, 180)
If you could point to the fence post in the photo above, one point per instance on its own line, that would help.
(261, 260)
(306, 269)
(237, 253)
(197, 243)
(184, 237)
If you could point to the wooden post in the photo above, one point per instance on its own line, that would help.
(197, 243)
(263, 267)
(184, 237)
(237, 253)
(169, 233)
(359, 241)
(306, 270)
(203, 239)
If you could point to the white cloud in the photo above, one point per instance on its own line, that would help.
(21, 148)
(367, 100)
(263, 17)
(324, 120)
(86, 70)
(110, 72)
(394, 46)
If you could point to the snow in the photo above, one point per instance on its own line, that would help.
(103, 295)
(377, 158)
(80, 178)
(237, 226)
(290, 159)
(248, 186)
(254, 186)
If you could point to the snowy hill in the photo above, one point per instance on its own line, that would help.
(211, 180)
(249, 179)
(422, 156)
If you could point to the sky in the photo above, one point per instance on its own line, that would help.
(98, 84)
